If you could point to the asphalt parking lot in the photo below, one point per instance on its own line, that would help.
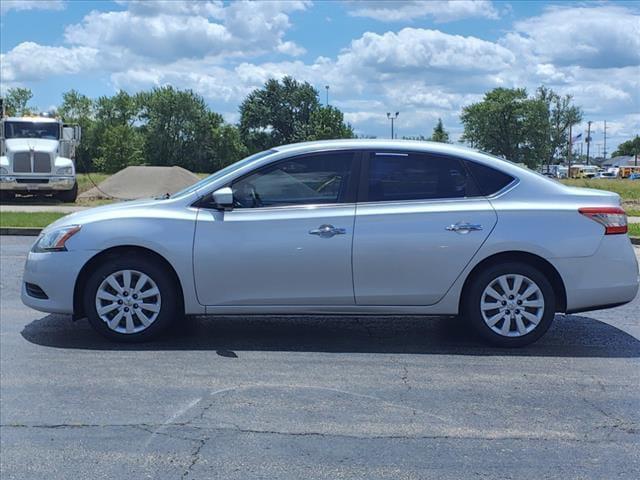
(330, 397)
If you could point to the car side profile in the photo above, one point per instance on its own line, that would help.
(343, 227)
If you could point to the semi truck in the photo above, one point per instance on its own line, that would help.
(37, 157)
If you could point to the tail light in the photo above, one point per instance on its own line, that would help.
(613, 219)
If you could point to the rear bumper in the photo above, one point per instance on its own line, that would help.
(606, 279)
(17, 183)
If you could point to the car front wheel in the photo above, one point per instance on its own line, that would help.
(130, 299)
(510, 304)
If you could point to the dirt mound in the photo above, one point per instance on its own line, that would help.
(142, 182)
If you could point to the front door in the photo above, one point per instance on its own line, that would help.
(421, 221)
(287, 240)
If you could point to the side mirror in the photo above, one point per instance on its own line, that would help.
(67, 133)
(223, 198)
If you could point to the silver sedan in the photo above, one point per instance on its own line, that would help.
(343, 227)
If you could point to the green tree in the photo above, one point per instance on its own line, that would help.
(278, 113)
(176, 126)
(224, 148)
(327, 123)
(115, 135)
(16, 101)
(630, 147)
(79, 109)
(439, 133)
(561, 115)
(510, 124)
(120, 145)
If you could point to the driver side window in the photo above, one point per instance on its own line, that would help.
(306, 180)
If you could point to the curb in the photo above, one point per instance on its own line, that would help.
(20, 231)
(635, 240)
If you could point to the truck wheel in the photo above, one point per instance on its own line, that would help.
(69, 196)
(7, 196)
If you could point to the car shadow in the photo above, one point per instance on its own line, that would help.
(569, 336)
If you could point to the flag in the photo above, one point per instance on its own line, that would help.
(575, 138)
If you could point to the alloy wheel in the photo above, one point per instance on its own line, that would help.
(512, 305)
(128, 301)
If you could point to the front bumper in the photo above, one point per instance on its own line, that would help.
(56, 274)
(17, 183)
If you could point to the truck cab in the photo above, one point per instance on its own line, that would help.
(37, 156)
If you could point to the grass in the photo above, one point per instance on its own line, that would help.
(634, 229)
(28, 219)
(84, 180)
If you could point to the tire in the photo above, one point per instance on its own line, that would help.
(519, 317)
(7, 196)
(68, 196)
(136, 323)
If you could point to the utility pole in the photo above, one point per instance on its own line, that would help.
(392, 118)
(569, 151)
(588, 138)
(327, 88)
(605, 140)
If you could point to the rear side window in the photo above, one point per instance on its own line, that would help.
(417, 176)
(489, 180)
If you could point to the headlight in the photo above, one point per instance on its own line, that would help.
(4, 171)
(65, 171)
(54, 241)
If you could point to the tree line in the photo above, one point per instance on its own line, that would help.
(168, 126)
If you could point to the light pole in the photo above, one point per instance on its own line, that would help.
(392, 118)
(327, 88)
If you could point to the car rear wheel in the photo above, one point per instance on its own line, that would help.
(131, 299)
(510, 304)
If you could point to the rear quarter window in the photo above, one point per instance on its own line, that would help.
(489, 180)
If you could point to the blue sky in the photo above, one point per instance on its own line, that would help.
(424, 59)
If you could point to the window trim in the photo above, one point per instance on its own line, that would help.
(363, 190)
(350, 193)
(509, 186)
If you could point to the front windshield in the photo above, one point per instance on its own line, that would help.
(46, 130)
(221, 173)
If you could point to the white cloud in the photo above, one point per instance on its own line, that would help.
(291, 48)
(595, 37)
(159, 36)
(21, 5)
(419, 50)
(168, 31)
(439, 10)
(31, 61)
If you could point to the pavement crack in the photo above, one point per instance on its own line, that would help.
(195, 456)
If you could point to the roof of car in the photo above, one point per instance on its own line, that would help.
(377, 143)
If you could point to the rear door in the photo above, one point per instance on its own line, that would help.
(420, 220)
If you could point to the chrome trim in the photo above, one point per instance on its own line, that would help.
(327, 231)
(507, 188)
(10, 182)
(463, 227)
(296, 207)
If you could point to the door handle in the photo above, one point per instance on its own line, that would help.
(327, 231)
(463, 227)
